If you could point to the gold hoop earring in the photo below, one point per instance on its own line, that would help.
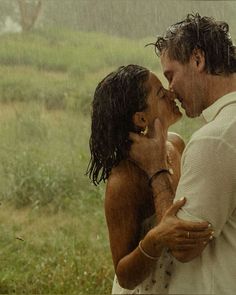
(145, 131)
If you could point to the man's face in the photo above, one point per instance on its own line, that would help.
(184, 80)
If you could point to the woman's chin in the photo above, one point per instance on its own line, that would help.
(176, 117)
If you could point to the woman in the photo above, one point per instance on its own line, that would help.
(130, 99)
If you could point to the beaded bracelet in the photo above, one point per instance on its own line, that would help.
(145, 253)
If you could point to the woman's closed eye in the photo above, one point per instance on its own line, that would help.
(163, 93)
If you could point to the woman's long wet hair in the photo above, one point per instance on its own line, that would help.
(117, 98)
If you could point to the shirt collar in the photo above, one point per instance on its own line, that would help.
(213, 110)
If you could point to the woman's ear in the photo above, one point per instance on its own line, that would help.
(140, 120)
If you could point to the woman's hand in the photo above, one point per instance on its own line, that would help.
(177, 234)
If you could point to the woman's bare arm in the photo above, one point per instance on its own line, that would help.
(124, 221)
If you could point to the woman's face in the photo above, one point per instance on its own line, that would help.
(161, 103)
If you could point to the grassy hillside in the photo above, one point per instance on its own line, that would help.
(62, 68)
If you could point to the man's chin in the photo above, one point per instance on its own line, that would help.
(191, 115)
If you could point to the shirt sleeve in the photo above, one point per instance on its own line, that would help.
(207, 182)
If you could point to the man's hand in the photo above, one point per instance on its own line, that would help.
(149, 153)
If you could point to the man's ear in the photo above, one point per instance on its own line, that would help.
(140, 120)
(198, 59)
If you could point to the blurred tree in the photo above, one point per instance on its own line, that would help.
(29, 12)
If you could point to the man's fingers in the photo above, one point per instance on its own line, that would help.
(172, 211)
(134, 136)
(158, 129)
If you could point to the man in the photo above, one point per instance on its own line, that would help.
(199, 61)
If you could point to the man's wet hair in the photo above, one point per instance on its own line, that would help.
(117, 98)
(204, 33)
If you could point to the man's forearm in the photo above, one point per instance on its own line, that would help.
(163, 193)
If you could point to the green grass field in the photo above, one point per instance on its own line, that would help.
(53, 236)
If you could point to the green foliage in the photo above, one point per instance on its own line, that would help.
(61, 68)
(54, 208)
(43, 156)
(63, 253)
(26, 84)
(63, 51)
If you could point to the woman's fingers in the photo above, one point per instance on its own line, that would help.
(192, 239)
(185, 241)
(194, 226)
(183, 233)
(198, 235)
(172, 211)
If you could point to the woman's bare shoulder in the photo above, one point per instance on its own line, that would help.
(177, 141)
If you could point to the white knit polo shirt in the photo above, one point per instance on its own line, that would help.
(208, 181)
